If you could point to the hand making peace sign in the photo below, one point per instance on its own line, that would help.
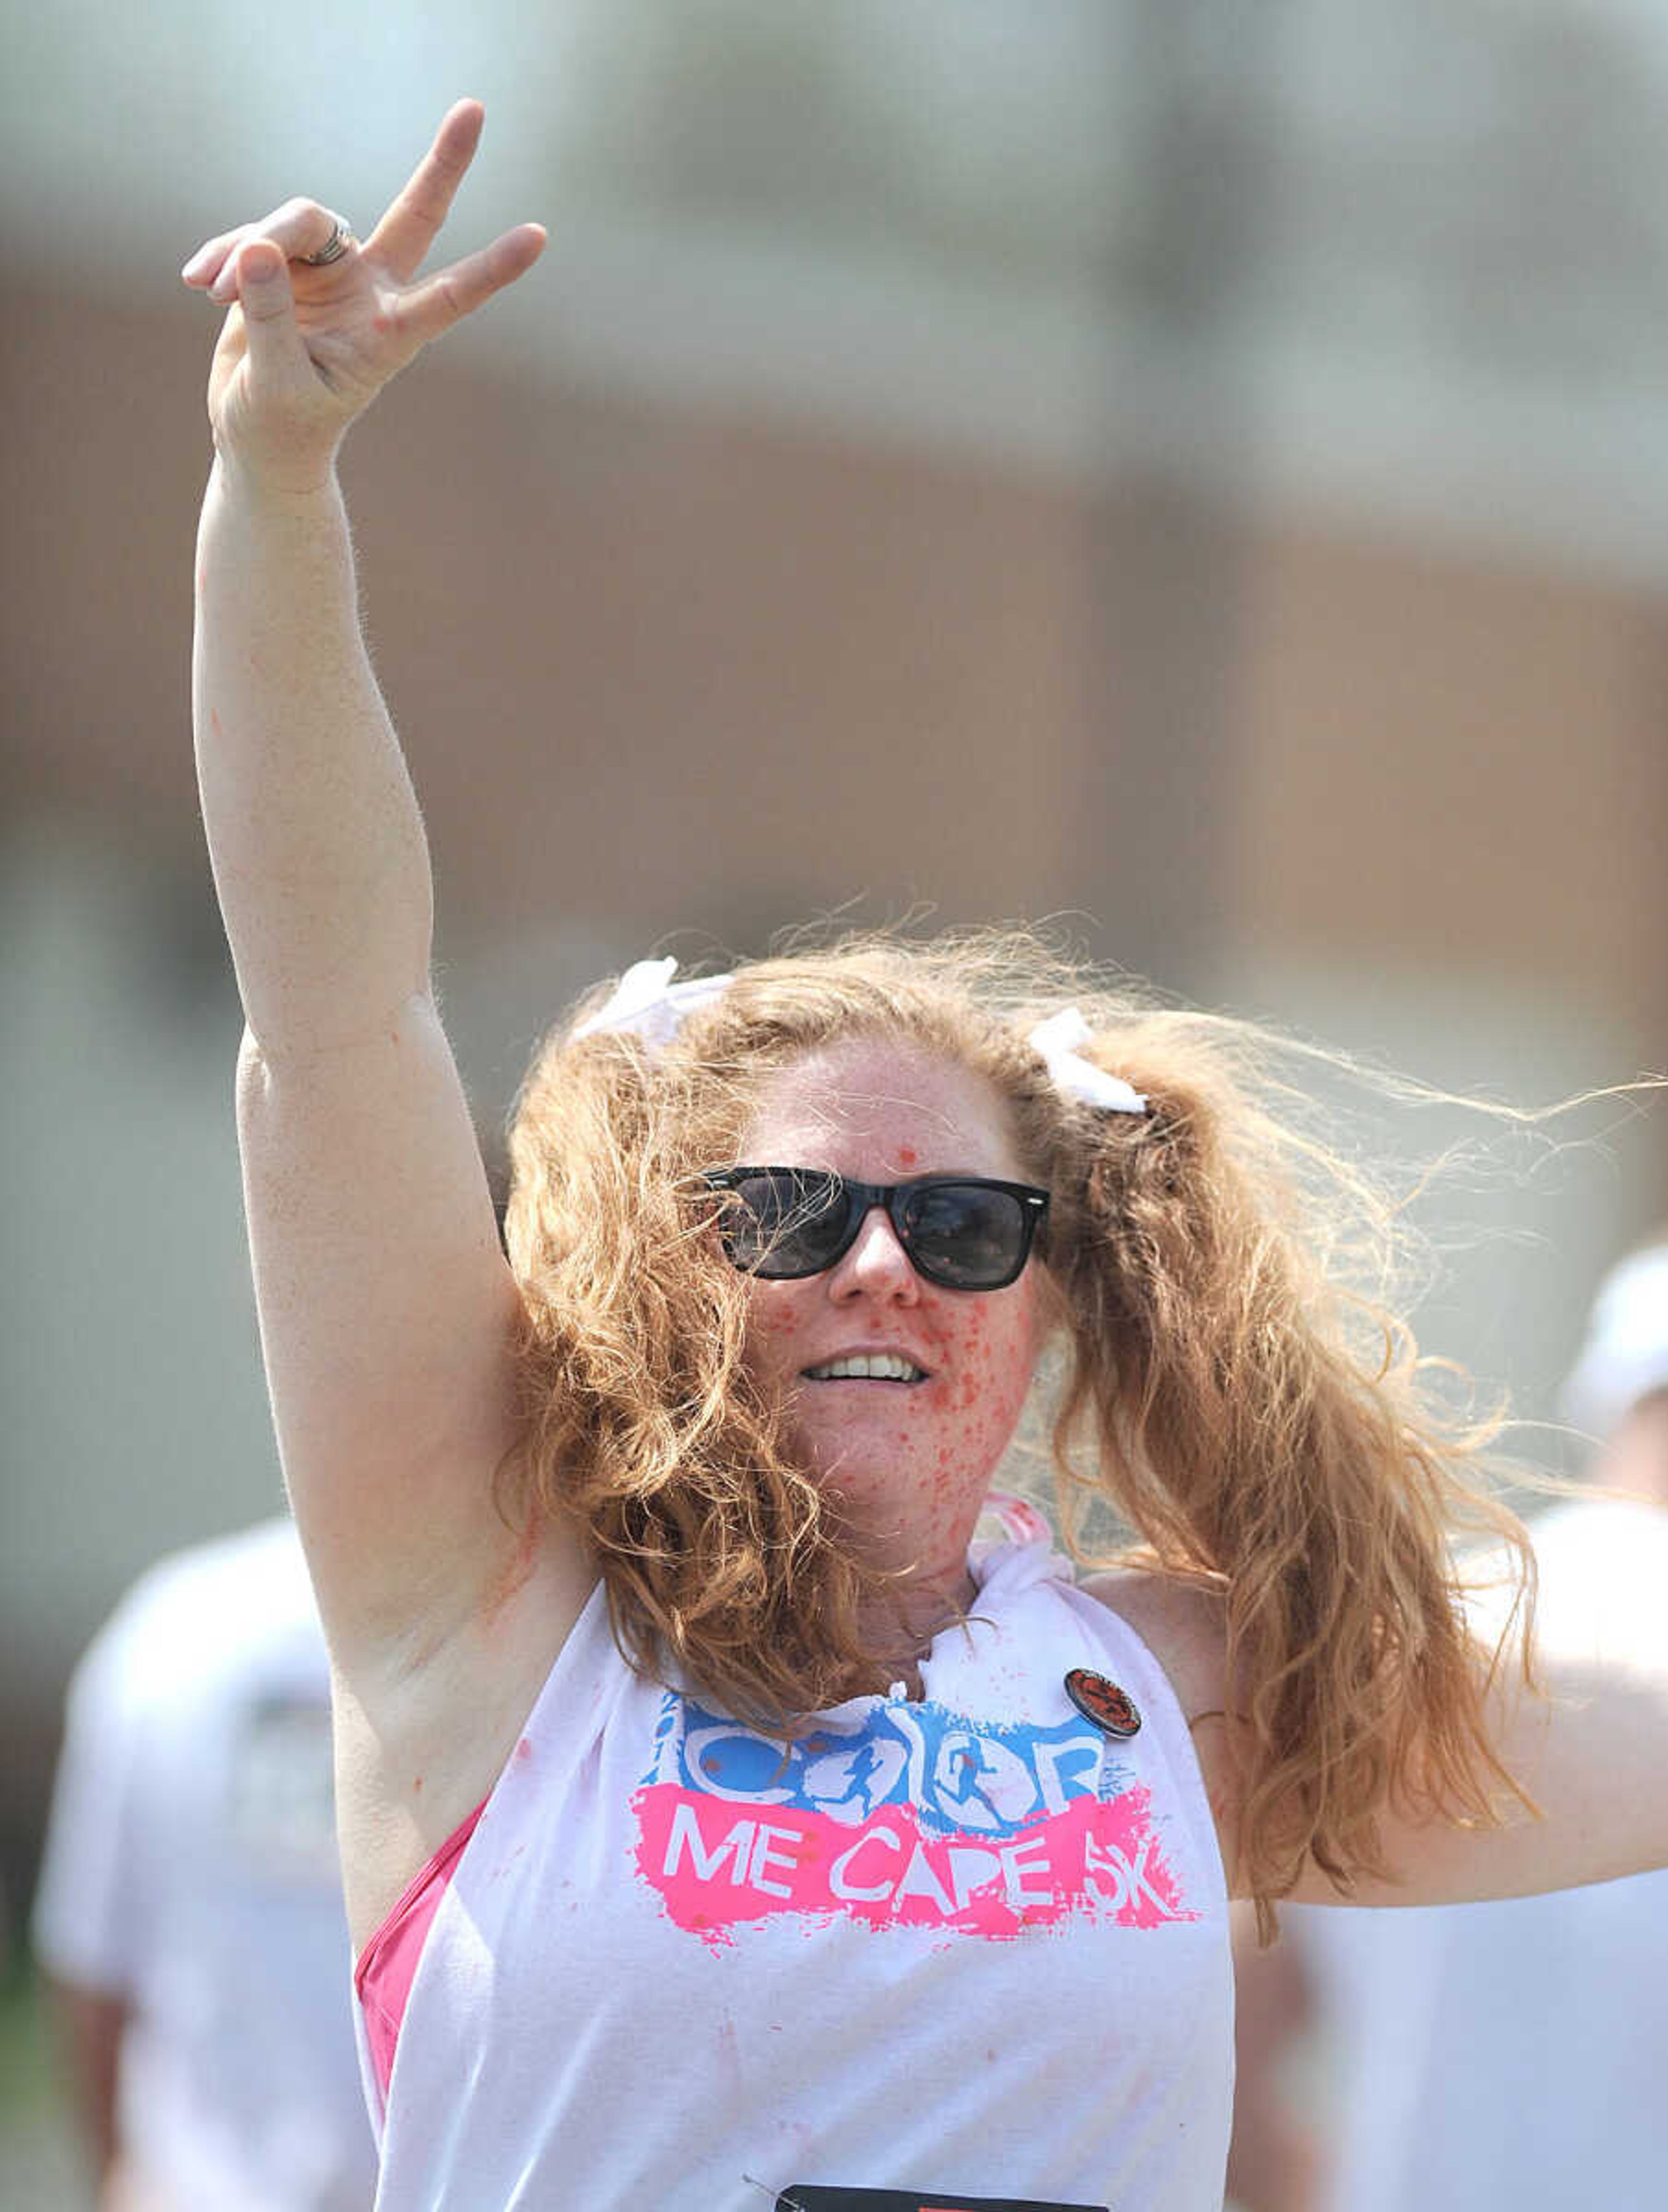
(320, 322)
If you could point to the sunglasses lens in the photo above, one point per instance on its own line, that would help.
(966, 1235)
(784, 1225)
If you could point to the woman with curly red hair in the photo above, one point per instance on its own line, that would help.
(723, 1814)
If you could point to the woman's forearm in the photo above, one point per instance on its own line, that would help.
(317, 844)
(313, 828)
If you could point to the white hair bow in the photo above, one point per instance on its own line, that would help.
(1078, 1077)
(647, 1003)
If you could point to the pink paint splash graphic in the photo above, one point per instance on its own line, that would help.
(717, 1865)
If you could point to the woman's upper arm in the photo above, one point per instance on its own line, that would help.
(1588, 1748)
(388, 1317)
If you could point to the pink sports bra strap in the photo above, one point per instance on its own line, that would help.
(388, 1964)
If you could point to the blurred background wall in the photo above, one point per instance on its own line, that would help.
(1198, 470)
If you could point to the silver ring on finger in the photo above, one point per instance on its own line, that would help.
(333, 247)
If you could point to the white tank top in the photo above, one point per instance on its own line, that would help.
(966, 1950)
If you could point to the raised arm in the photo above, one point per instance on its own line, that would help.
(318, 846)
(386, 1308)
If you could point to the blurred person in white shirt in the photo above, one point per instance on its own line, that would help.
(188, 1920)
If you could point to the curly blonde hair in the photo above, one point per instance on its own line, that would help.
(1233, 1380)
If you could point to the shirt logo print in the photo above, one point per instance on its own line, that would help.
(907, 1815)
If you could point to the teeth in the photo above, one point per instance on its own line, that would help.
(867, 1367)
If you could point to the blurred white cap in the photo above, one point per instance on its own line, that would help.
(1625, 1356)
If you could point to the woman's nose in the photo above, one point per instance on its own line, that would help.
(877, 1265)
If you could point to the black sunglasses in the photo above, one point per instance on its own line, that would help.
(963, 1232)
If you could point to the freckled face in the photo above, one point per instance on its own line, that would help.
(913, 1460)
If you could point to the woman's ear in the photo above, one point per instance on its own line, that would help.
(1053, 1313)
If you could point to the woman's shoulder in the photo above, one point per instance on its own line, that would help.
(1182, 1623)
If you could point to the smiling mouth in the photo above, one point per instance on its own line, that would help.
(867, 1367)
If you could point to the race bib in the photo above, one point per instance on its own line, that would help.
(811, 2196)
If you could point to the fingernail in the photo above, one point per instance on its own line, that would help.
(199, 261)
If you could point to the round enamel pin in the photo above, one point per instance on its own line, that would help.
(1112, 1711)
